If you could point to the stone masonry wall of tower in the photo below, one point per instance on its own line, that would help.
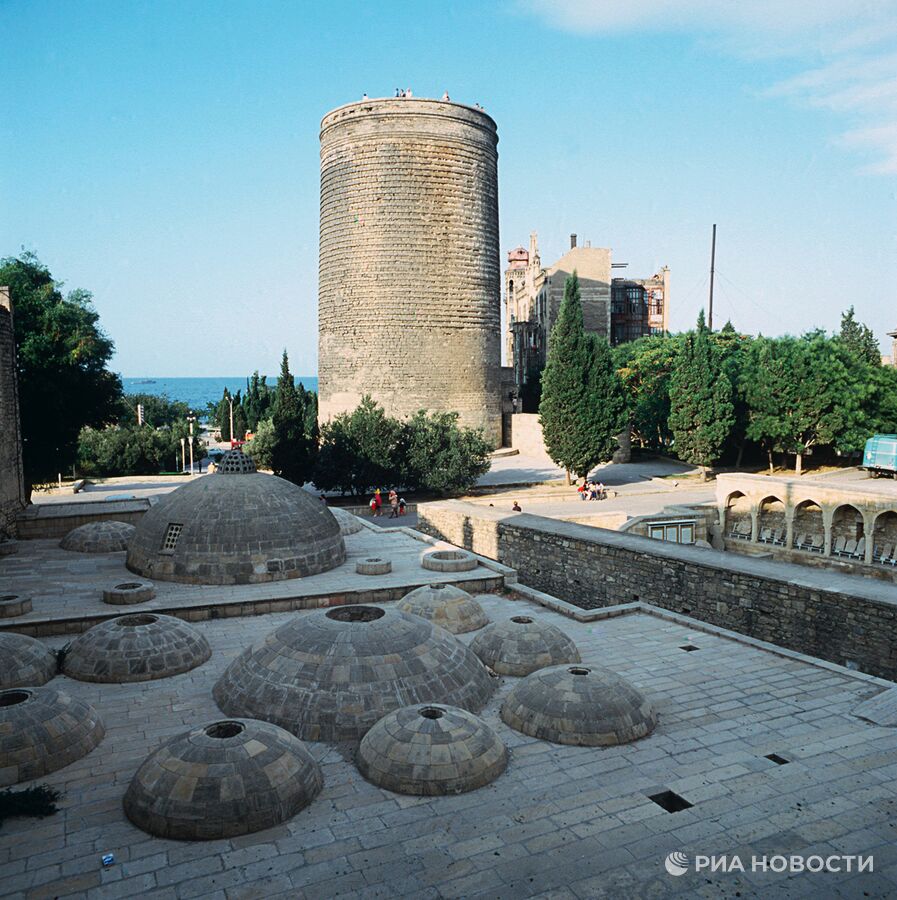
(12, 492)
(409, 291)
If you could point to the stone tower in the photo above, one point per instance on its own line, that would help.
(409, 303)
(12, 488)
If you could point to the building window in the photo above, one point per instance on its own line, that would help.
(170, 541)
(676, 532)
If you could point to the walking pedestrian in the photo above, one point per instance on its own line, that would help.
(402, 505)
(393, 505)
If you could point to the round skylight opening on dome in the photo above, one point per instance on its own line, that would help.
(223, 730)
(136, 621)
(373, 559)
(437, 587)
(128, 586)
(448, 554)
(7, 597)
(522, 620)
(13, 698)
(355, 614)
(432, 712)
(578, 670)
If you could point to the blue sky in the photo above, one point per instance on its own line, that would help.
(164, 155)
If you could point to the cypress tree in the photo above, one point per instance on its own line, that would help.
(702, 414)
(293, 452)
(583, 406)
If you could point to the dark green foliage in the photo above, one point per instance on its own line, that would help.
(859, 339)
(295, 439)
(37, 802)
(62, 358)
(583, 406)
(157, 411)
(257, 401)
(439, 456)
(701, 411)
(359, 451)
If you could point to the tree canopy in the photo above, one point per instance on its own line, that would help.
(63, 355)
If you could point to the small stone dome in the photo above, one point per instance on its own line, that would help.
(348, 524)
(329, 675)
(587, 706)
(137, 647)
(431, 750)
(42, 730)
(98, 537)
(445, 605)
(222, 780)
(237, 526)
(24, 661)
(522, 644)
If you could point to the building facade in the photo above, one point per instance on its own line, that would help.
(617, 309)
(409, 294)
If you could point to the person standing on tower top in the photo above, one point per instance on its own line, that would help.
(408, 92)
(446, 97)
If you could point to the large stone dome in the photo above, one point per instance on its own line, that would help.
(236, 526)
(588, 706)
(445, 605)
(25, 661)
(222, 780)
(329, 675)
(98, 537)
(431, 750)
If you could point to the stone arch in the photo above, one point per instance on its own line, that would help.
(848, 524)
(809, 526)
(737, 515)
(771, 520)
(884, 532)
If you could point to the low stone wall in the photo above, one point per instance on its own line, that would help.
(840, 618)
(56, 520)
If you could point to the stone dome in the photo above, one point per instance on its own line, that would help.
(445, 605)
(348, 524)
(431, 750)
(522, 644)
(329, 675)
(221, 780)
(584, 705)
(98, 537)
(24, 661)
(237, 526)
(42, 730)
(136, 647)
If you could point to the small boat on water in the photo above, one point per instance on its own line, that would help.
(146, 381)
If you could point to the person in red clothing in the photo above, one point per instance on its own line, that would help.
(379, 501)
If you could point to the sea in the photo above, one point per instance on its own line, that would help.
(197, 393)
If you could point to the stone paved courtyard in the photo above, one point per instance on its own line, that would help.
(561, 822)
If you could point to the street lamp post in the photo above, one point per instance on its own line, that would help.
(191, 419)
(231, 401)
(183, 464)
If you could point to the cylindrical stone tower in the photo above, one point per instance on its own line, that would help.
(409, 293)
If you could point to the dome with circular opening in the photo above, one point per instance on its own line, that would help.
(98, 537)
(222, 780)
(582, 705)
(431, 750)
(329, 675)
(237, 526)
(445, 605)
(42, 730)
(138, 647)
(522, 644)
(25, 661)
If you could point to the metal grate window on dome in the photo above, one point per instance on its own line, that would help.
(170, 541)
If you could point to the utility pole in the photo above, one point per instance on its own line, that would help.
(712, 267)
(191, 419)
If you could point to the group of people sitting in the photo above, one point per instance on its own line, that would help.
(592, 490)
(396, 504)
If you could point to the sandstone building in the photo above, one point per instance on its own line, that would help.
(409, 295)
(12, 487)
(615, 308)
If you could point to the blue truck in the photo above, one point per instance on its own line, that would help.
(880, 455)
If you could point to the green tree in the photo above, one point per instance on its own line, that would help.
(261, 447)
(294, 446)
(859, 339)
(359, 451)
(583, 407)
(734, 348)
(701, 411)
(439, 456)
(64, 382)
(158, 411)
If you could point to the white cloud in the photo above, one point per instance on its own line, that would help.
(848, 49)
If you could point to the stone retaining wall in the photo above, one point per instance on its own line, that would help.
(843, 619)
